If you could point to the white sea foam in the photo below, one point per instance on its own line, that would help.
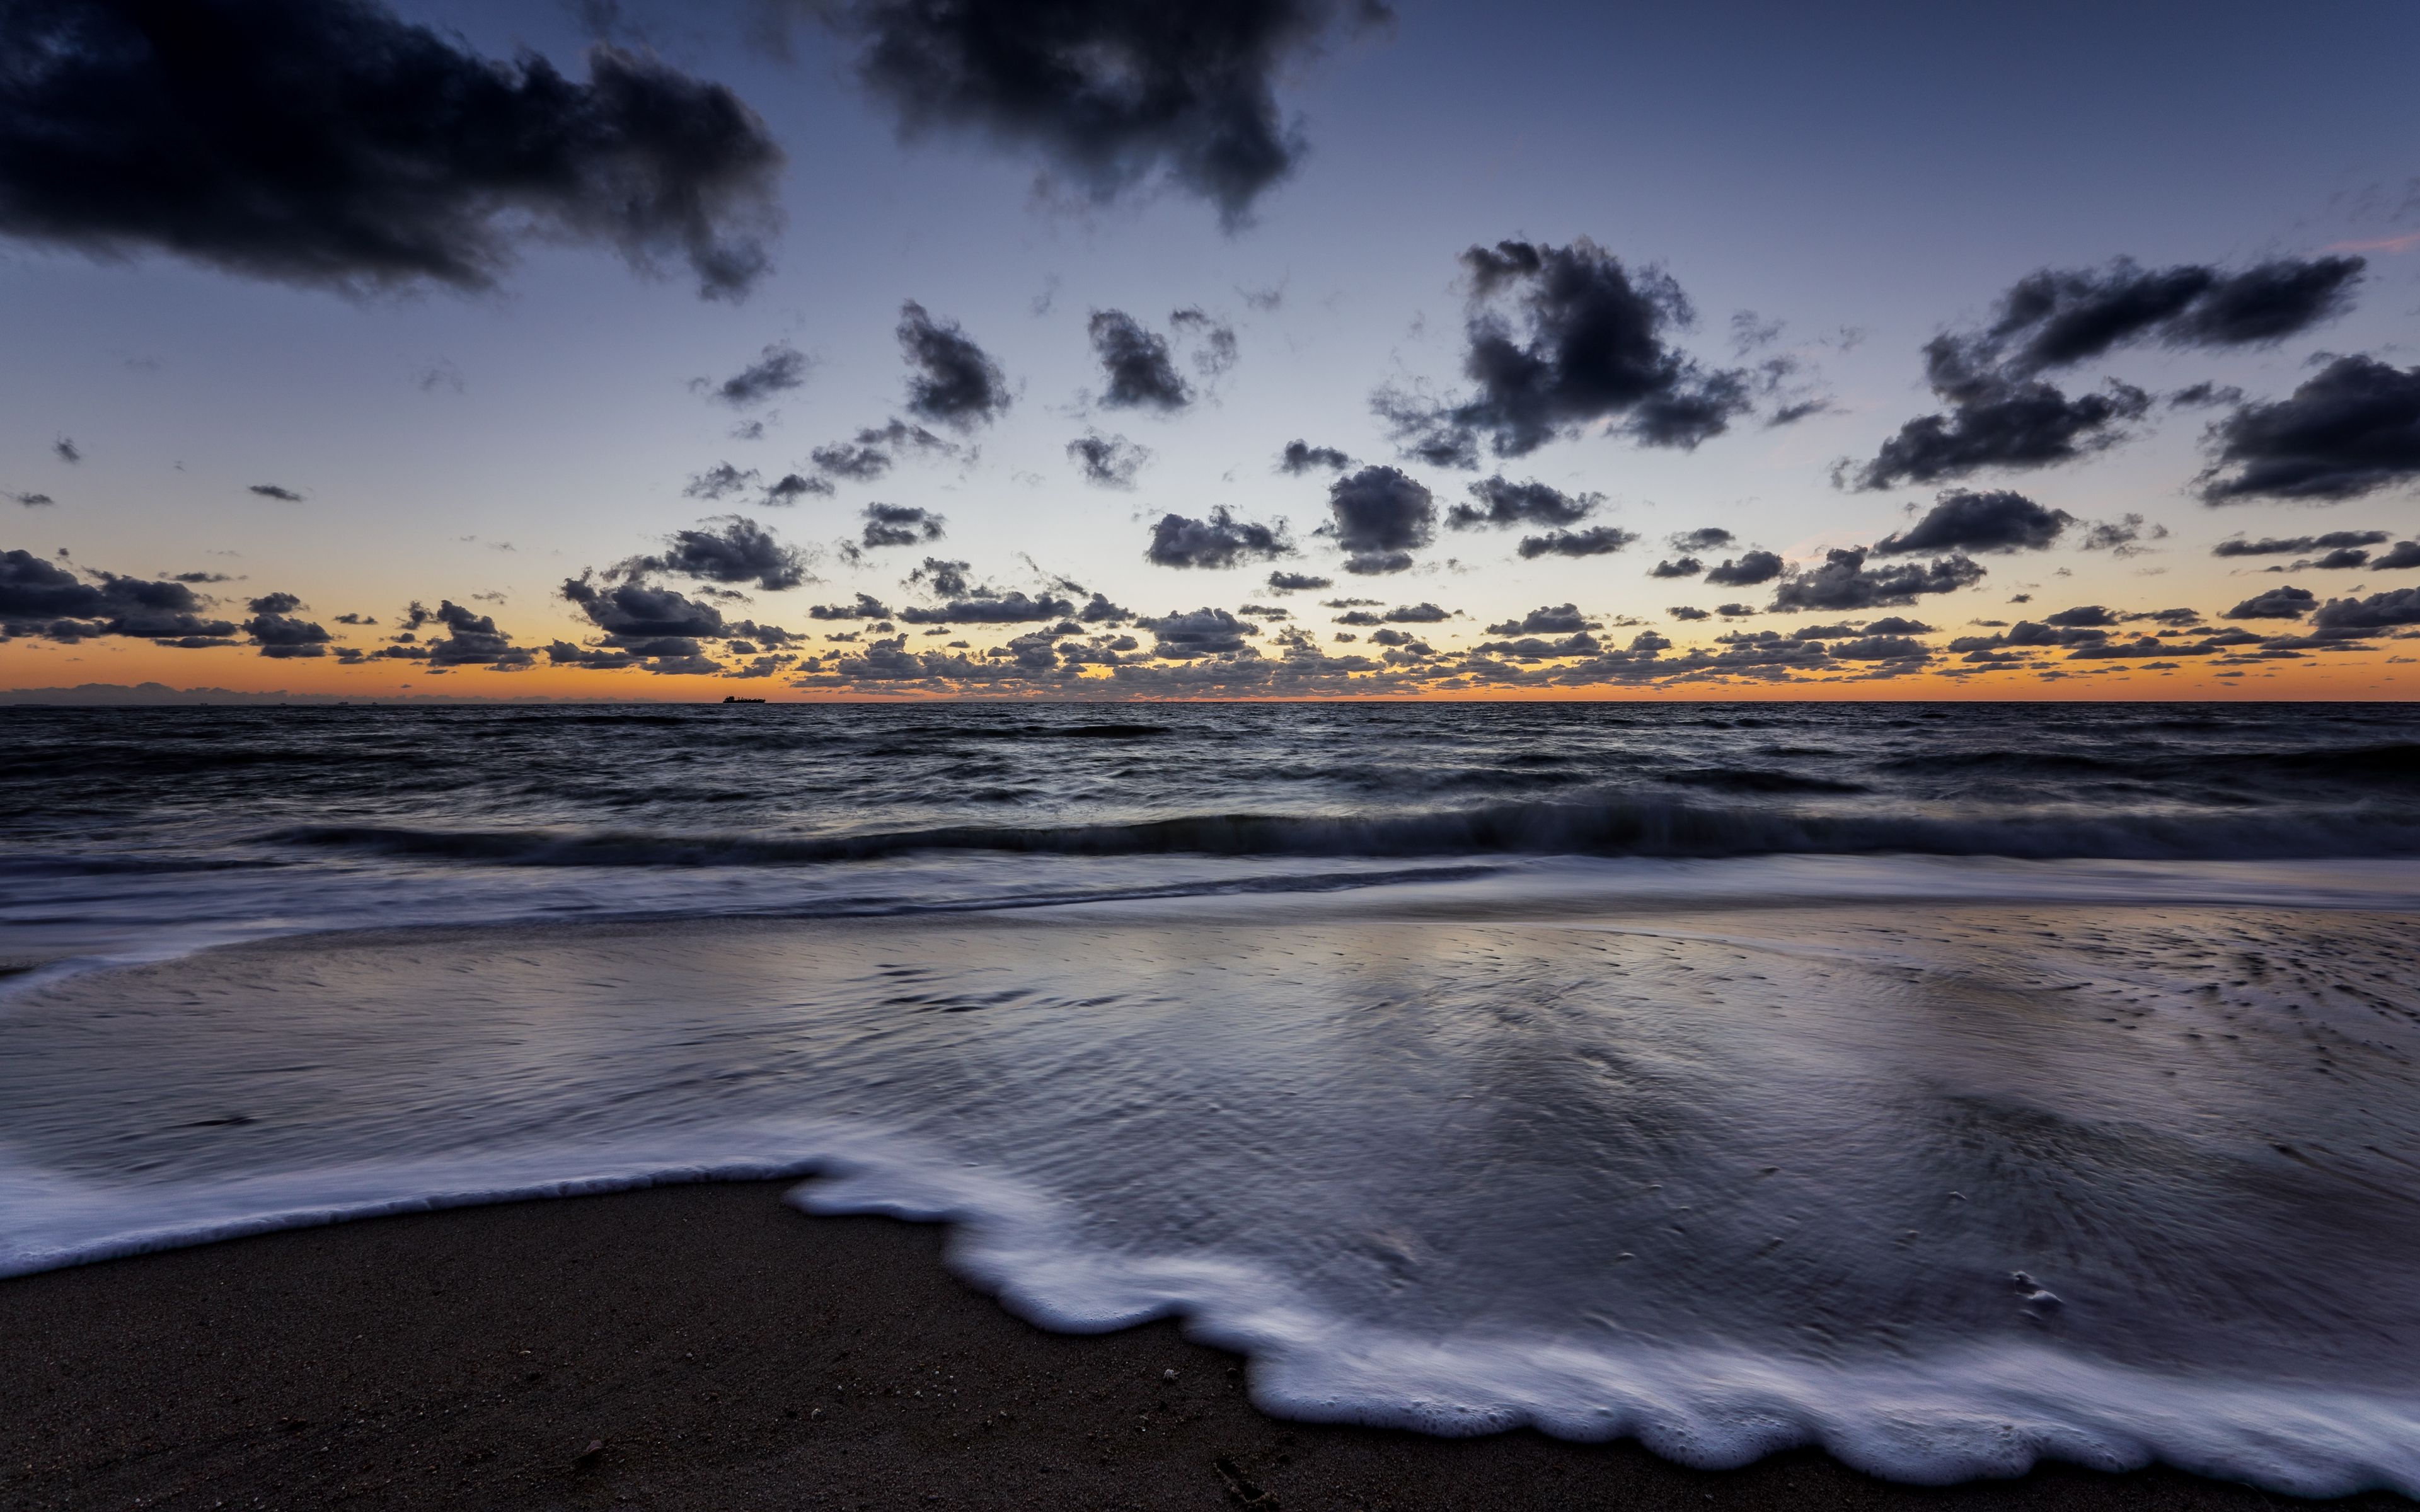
(1727, 1181)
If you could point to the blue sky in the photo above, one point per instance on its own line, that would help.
(1865, 179)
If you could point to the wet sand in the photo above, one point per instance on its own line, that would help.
(708, 1347)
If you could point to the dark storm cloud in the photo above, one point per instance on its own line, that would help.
(1380, 515)
(274, 603)
(1221, 541)
(866, 608)
(956, 382)
(1963, 520)
(1596, 541)
(1502, 502)
(329, 142)
(1287, 582)
(474, 640)
(1112, 93)
(730, 550)
(1684, 611)
(1109, 461)
(2351, 429)
(1683, 567)
(1747, 570)
(1590, 346)
(271, 490)
(1204, 632)
(1844, 583)
(2379, 612)
(2279, 603)
(900, 525)
(2287, 546)
(1300, 456)
(2002, 414)
(39, 598)
(2405, 557)
(1136, 362)
(66, 450)
(1704, 538)
(781, 368)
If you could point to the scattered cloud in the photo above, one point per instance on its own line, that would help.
(1379, 516)
(1596, 541)
(1963, 520)
(953, 382)
(1843, 581)
(1502, 502)
(339, 145)
(1300, 456)
(780, 368)
(1221, 541)
(2350, 430)
(1586, 344)
(1108, 461)
(1137, 364)
(1115, 98)
(900, 525)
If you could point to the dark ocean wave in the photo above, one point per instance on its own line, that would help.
(1629, 827)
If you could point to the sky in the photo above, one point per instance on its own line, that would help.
(1269, 349)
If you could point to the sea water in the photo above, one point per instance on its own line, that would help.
(1945, 1085)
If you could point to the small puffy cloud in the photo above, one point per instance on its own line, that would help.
(2350, 430)
(1108, 461)
(1584, 341)
(781, 368)
(718, 481)
(1204, 632)
(1843, 581)
(342, 146)
(271, 490)
(1116, 97)
(1139, 372)
(1596, 541)
(900, 525)
(1963, 520)
(2278, 603)
(954, 381)
(1548, 618)
(1288, 582)
(729, 549)
(1300, 456)
(1219, 541)
(1379, 516)
(2287, 546)
(1747, 570)
(1499, 502)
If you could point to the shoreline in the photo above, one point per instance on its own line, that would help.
(719, 1349)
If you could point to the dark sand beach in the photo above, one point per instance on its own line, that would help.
(709, 1347)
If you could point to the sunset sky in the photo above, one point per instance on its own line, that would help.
(914, 347)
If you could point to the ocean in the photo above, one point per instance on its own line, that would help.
(1947, 1086)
